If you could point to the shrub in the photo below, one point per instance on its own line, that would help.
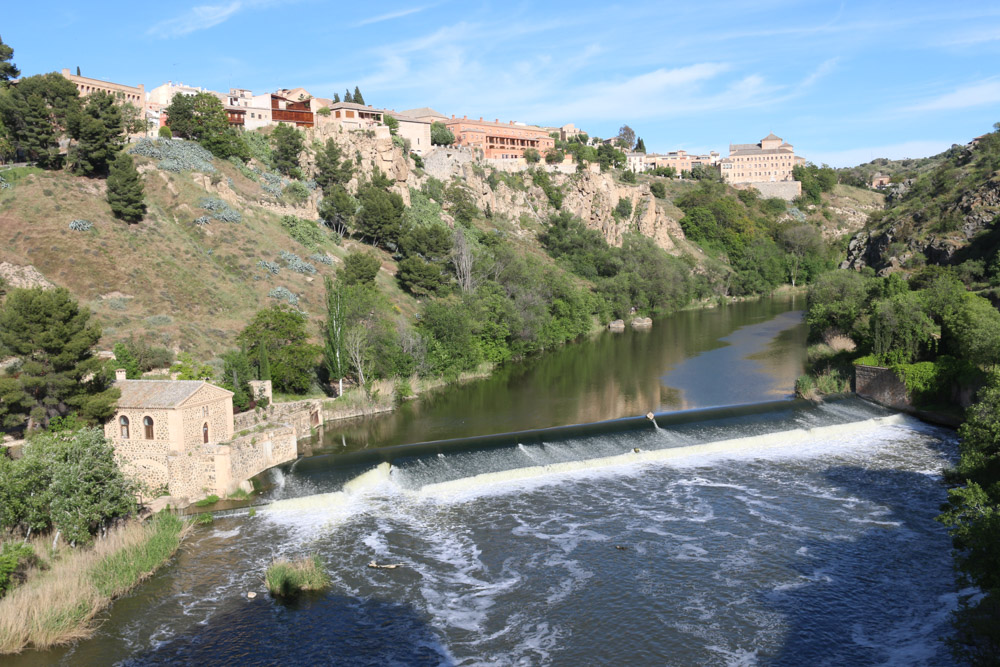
(220, 209)
(296, 193)
(418, 161)
(208, 500)
(658, 189)
(623, 211)
(296, 264)
(14, 559)
(175, 155)
(204, 519)
(165, 133)
(321, 258)
(360, 268)
(202, 220)
(531, 155)
(286, 578)
(323, 111)
(305, 232)
(284, 294)
(81, 225)
(269, 266)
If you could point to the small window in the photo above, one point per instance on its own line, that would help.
(204, 433)
(147, 423)
(123, 420)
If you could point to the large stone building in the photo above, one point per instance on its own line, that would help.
(163, 94)
(415, 130)
(505, 141)
(769, 161)
(135, 95)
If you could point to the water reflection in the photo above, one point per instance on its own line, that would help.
(742, 353)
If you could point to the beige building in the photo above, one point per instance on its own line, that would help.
(254, 116)
(355, 116)
(135, 95)
(769, 161)
(415, 130)
(164, 94)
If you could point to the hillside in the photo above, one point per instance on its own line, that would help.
(946, 215)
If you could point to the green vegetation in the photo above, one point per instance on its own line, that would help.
(291, 357)
(287, 145)
(58, 373)
(58, 604)
(286, 578)
(202, 118)
(205, 502)
(65, 481)
(815, 181)
(125, 190)
(15, 559)
(441, 135)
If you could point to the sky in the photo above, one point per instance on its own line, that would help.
(845, 82)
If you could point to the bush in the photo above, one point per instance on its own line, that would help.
(658, 189)
(81, 225)
(296, 264)
(165, 133)
(284, 294)
(286, 578)
(175, 155)
(220, 210)
(321, 258)
(14, 559)
(360, 268)
(296, 193)
(531, 156)
(305, 232)
(623, 210)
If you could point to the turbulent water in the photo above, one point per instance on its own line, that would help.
(800, 536)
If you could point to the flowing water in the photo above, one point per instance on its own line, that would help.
(780, 533)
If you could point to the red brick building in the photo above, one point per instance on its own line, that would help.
(499, 140)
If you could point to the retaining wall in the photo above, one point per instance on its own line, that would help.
(882, 385)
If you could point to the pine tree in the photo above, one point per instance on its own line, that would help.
(54, 338)
(347, 96)
(336, 98)
(640, 145)
(8, 70)
(98, 131)
(357, 96)
(125, 189)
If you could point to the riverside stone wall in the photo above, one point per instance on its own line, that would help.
(303, 416)
(882, 385)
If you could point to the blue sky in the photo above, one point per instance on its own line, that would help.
(844, 82)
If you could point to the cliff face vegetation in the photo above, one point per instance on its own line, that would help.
(944, 213)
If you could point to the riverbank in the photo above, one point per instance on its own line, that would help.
(61, 596)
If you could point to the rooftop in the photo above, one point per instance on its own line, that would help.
(157, 393)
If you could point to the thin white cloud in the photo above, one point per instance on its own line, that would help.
(976, 95)
(391, 15)
(861, 154)
(197, 18)
(823, 70)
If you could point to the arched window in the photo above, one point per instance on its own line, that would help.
(147, 422)
(204, 433)
(123, 420)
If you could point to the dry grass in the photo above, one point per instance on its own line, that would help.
(838, 342)
(57, 605)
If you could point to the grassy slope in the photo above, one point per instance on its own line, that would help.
(192, 287)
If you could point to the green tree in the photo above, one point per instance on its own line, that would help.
(658, 189)
(236, 375)
(441, 135)
(126, 193)
(901, 330)
(380, 217)
(626, 137)
(976, 328)
(59, 375)
(336, 98)
(263, 364)
(331, 166)
(165, 133)
(334, 351)
(134, 119)
(125, 359)
(187, 368)
(348, 98)
(69, 481)
(288, 144)
(8, 70)
(98, 133)
(360, 268)
(835, 302)
(357, 96)
(531, 155)
(202, 118)
(420, 277)
(292, 357)
(338, 208)
(35, 112)
(554, 157)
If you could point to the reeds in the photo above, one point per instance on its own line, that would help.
(287, 578)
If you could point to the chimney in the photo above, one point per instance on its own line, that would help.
(120, 374)
(496, 120)
(480, 119)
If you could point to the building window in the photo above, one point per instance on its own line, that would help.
(123, 420)
(204, 433)
(204, 411)
(147, 423)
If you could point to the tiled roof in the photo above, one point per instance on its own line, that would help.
(156, 393)
(772, 137)
(423, 111)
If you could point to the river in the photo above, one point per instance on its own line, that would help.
(777, 533)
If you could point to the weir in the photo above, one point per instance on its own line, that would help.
(454, 466)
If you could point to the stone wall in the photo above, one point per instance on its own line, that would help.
(252, 454)
(443, 163)
(881, 385)
(787, 190)
(303, 416)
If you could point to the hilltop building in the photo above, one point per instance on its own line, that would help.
(284, 110)
(135, 95)
(498, 140)
(769, 161)
(880, 181)
(163, 94)
(415, 130)
(243, 111)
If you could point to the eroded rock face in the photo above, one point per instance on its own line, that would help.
(375, 148)
(23, 276)
(978, 210)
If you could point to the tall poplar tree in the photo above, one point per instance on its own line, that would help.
(334, 352)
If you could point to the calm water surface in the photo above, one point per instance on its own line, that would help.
(794, 535)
